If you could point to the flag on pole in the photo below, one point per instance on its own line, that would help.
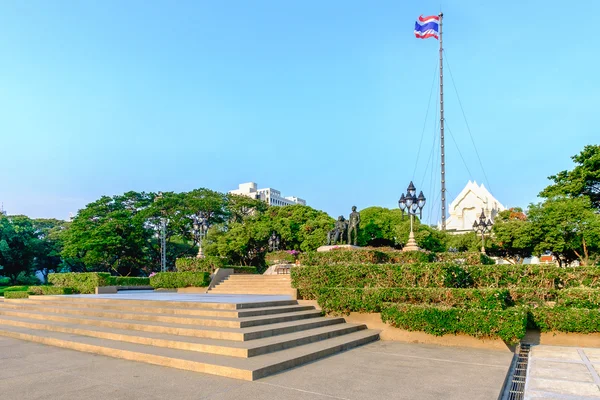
(427, 27)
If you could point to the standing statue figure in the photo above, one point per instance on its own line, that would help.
(337, 233)
(353, 223)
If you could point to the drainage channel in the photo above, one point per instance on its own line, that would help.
(515, 388)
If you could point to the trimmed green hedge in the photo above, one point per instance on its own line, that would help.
(579, 297)
(16, 295)
(467, 258)
(80, 282)
(242, 270)
(128, 281)
(308, 279)
(508, 325)
(192, 264)
(12, 289)
(565, 319)
(173, 280)
(353, 256)
(346, 300)
(281, 256)
(48, 290)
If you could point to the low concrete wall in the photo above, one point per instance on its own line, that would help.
(191, 290)
(563, 338)
(218, 276)
(106, 290)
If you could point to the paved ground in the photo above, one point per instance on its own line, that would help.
(381, 370)
(187, 297)
(568, 373)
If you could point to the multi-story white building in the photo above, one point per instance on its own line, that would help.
(269, 195)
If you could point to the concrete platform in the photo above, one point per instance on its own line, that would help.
(246, 337)
(559, 372)
(380, 370)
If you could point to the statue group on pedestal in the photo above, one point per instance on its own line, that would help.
(345, 228)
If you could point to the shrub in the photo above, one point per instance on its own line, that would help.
(565, 319)
(280, 257)
(128, 281)
(16, 295)
(508, 325)
(242, 270)
(346, 300)
(13, 289)
(532, 296)
(48, 290)
(456, 276)
(353, 256)
(467, 258)
(80, 282)
(192, 264)
(173, 280)
(579, 298)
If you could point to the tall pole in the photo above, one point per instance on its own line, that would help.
(442, 152)
(163, 244)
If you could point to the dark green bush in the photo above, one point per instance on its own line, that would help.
(128, 281)
(242, 270)
(508, 325)
(565, 319)
(80, 282)
(13, 289)
(346, 300)
(16, 295)
(173, 280)
(579, 298)
(456, 276)
(48, 290)
(193, 264)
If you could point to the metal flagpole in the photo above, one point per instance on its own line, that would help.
(442, 152)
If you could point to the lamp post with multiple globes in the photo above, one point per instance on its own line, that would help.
(412, 204)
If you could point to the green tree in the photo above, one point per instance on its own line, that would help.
(567, 227)
(111, 234)
(583, 180)
(239, 208)
(50, 233)
(512, 236)
(18, 245)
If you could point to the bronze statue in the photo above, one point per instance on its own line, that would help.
(337, 233)
(354, 222)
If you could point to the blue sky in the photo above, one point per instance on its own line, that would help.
(321, 100)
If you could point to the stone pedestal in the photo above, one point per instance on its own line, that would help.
(338, 246)
(412, 244)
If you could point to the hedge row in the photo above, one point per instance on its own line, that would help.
(346, 300)
(128, 281)
(173, 280)
(509, 325)
(279, 257)
(565, 319)
(193, 264)
(242, 270)
(308, 279)
(80, 282)
(347, 256)
(48, 290)
(16, 295)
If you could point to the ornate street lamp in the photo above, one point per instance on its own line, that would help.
(200, 230)
(411, 204)
(482, 226)
(274, 242)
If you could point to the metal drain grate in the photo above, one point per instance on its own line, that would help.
(517, 384)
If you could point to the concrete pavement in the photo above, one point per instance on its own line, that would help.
(381, 370)
(568, 373)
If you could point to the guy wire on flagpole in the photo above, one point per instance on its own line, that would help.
(442, 150)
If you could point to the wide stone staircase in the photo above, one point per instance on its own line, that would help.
(244, 341)
(256, 284)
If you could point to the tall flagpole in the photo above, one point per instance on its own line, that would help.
(442, 152)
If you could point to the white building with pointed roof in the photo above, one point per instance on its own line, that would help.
(467, 206)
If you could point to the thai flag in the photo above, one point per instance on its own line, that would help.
(427, 27)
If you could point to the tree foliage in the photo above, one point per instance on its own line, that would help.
(583, 180)
(18, 246)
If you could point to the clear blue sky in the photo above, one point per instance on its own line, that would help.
(325, 100)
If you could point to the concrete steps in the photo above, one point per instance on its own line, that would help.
(256, 284)
(244, 341)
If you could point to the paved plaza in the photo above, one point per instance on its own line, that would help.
(567, 373)
(381, 370)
